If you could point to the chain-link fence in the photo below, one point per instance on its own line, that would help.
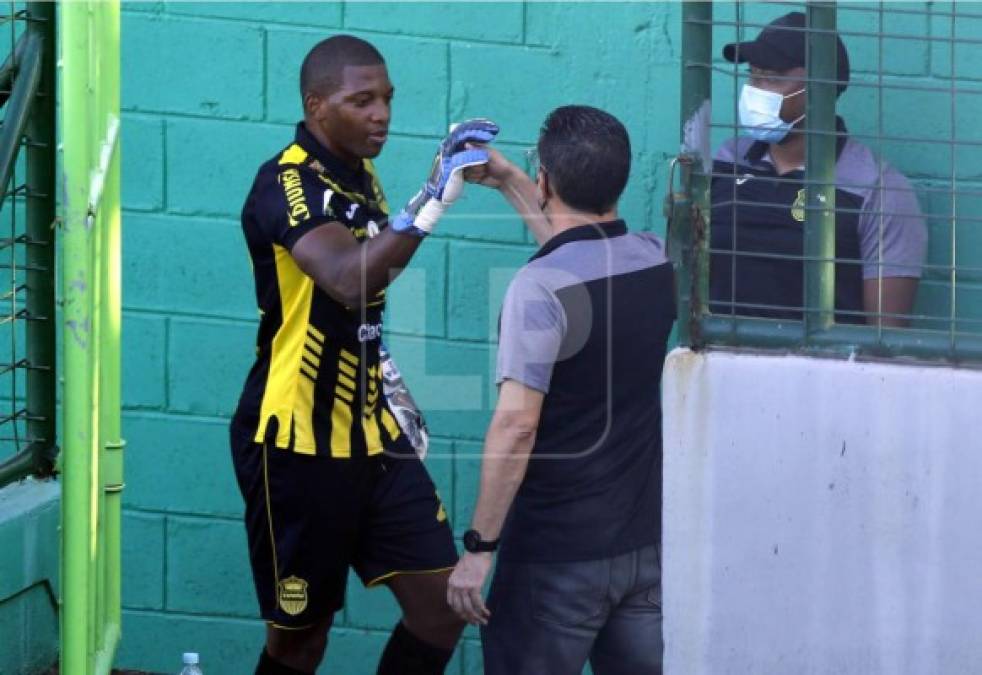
(27, 233)
(831, 163)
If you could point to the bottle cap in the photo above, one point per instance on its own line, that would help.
(190, 658)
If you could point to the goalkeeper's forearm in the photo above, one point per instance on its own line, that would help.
(378, 261)
(350, 272)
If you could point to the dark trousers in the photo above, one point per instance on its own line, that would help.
(551, 618)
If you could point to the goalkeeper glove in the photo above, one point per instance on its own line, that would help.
(446, 181)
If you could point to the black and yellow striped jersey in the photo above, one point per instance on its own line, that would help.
(315, 387)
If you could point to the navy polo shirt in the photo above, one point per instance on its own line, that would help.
(757, 214)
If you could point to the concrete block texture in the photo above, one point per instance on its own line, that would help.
(207, 362)
(468, 21)
(163, 58)
(143, 156)
(143, 560)
(187, 266)
(208, 568)
(321, 14)
(154, 641)
(179, 464)
(29, 571)
(144, 361)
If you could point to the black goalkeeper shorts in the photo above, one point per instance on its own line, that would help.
(310, 518)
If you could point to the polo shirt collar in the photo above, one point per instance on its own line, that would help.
(604, 230)
(332, 164)
(757, 152)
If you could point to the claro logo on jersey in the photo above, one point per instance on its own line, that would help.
(297, 210)
(369, 331)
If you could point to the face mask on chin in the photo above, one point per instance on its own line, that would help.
(760, 114)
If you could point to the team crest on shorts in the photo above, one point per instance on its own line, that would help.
(798, 208)
(293, 595)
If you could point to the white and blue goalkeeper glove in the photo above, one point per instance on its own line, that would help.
(446, 181)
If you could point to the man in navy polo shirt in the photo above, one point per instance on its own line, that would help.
(571, 471)
(758, 200)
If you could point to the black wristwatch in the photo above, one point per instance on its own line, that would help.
(474, 544)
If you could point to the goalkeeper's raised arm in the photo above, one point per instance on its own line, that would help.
(353, 272)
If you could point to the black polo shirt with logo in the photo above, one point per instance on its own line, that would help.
(757, 230)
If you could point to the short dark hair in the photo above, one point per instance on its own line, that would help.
(321, 69)
(586, 155)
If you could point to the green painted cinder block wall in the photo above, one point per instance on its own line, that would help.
(210, 91)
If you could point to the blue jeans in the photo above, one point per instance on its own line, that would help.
(550, 618)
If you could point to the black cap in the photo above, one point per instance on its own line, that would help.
(781, 46)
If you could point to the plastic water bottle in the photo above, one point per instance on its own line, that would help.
(191, 664)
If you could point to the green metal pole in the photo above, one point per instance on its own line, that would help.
(79, 492)
(819, 241)
(110, 337)
(40, 257)
(689, 218)
(98, 128)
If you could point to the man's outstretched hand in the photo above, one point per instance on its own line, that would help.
(494, 173)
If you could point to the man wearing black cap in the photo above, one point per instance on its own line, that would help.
(758, 200)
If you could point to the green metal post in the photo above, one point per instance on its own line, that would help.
(819, 243)
(109, 342)
(80, 494)
(690, 215)
(40, 278)
(93, 447)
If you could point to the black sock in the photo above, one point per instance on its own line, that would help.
(406, 654)
(269, 666)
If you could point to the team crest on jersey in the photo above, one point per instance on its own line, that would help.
(292, 593)
(798, 208)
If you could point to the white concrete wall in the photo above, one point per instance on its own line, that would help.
(821, 516)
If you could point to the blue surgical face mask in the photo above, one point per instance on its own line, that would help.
(760, 114)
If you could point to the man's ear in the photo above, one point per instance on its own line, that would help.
(312, 104)
(542, 183)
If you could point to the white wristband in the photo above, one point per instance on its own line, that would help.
(428, 216)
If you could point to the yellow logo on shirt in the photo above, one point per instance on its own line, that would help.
(293, 155)
(441, 513)
(297, 210)
(798, 208)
